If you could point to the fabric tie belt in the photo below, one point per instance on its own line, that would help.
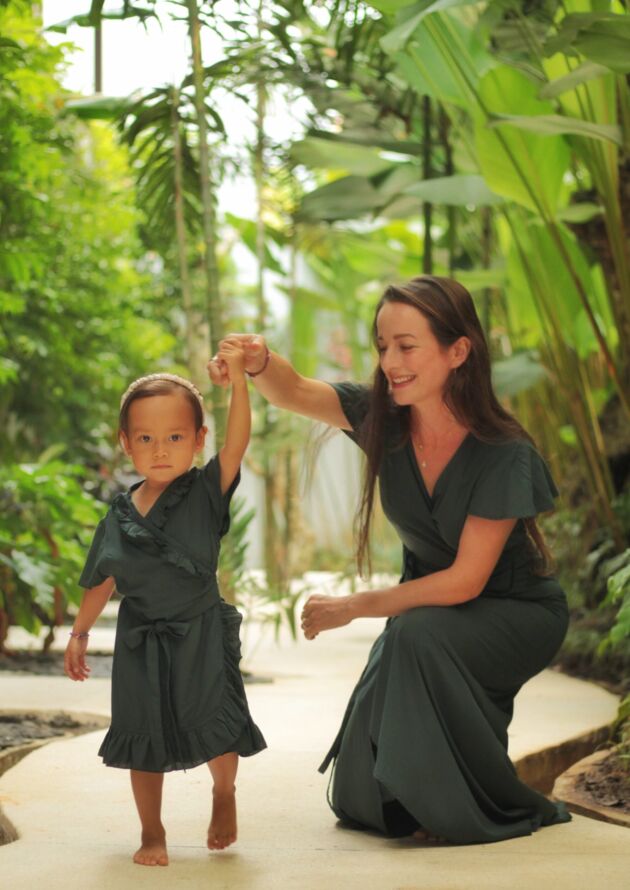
(157, 637)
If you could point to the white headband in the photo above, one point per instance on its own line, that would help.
(174, 378)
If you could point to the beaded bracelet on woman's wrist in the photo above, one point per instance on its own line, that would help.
(264, 365)
(79, 636)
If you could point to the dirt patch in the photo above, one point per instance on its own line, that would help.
(607, 784)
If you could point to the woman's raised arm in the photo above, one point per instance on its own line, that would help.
(280, 383)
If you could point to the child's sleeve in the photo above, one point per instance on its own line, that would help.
(94, 571)
(219, 502)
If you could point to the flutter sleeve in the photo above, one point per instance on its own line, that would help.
(354, 399)
(94, 571)
(219, 501)
(516, 484)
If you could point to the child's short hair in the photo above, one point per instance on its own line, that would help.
(160, 385)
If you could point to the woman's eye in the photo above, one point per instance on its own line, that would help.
(406, 347)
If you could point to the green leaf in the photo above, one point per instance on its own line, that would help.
(345, 198)
(391, 6)
(521, 165)
(556, 125)
(247, 231)
(517, 373)
(568, 434)
(99, 108)
(397, 38)
(580, 213)
(583, 73)
(337, 155)
(602, 37)
(371, 136)
(459, 190)
(479, 279)
(431, 62)
(34, 573)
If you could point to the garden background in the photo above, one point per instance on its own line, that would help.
(368, 142)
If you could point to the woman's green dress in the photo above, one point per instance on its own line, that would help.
(424, 739)
(177, 694)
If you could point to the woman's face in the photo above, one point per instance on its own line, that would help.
(414, 363)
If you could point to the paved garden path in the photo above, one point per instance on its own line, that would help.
(78, 828)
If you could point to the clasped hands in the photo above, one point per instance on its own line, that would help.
(253, 347)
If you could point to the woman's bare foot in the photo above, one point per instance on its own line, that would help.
(222, 830)
(152, 851)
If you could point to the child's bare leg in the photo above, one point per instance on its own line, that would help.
(222, 830)
(147, 791)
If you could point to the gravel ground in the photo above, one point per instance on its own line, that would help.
(51, 663)
(18, 729)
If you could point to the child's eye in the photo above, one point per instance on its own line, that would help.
(144, 439)
(176, 437)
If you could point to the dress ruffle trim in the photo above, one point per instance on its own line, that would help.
(141, 536)
(230, 729)
(517, 486)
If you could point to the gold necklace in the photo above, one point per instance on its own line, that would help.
(419, 445)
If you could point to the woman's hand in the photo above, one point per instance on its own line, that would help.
(74, 659)
(324, 613)
(255, 349)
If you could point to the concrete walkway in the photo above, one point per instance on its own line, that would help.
(78, 827)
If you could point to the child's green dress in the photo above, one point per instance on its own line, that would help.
(424, 739)
(177, 694)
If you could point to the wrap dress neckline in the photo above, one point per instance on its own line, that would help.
(431, 496)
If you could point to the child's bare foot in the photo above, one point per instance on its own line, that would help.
(152, 851)
(222, 830)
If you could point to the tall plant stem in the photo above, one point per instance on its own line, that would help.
(456, 52)
(566, 371)
(213, 293)
(180, 230)
(427, 172)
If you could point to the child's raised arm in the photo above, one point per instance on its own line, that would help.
(94, 601)
(239, 421)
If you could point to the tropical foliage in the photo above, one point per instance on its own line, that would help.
(487, 140)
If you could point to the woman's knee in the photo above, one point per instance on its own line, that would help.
(421, 625)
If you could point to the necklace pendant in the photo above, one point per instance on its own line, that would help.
(423, 463)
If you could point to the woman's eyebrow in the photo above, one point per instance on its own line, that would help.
(398, 336)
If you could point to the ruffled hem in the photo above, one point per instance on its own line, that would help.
(222, 736)
(230, 729)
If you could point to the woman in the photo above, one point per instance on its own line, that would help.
(423, 744)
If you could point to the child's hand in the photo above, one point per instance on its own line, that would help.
(74, 659)
(231, 356)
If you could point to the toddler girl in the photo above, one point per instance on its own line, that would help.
(177, 693)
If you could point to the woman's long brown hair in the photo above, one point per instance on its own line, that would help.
(468, 394)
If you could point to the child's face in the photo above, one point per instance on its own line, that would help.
(161, 439)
